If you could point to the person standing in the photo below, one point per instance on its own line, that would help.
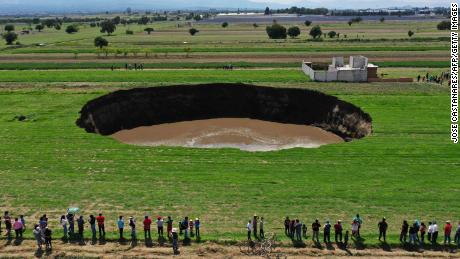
(360, 223)
(447, 232)
(457, 235)
(17, 226)
(404, 230)
(315, 227)
(81, 226)
(8, 224)
(175, 240)
(23, 221)
(413, 234)
(292, 229)
(422, 232)
(38, 236)
(261, 228)
(338, 231)
(327, 232)
(249, 229)
(132, 224)
(48, 238)
(430, 231)
(70, 220)
(287, 222)
(160, 226)
(92, 223)
(197, 228)
(147, 223)
(254, 226)
(191, 224)
(383, 226)
(304, 231)
(354, 229)
(298, 230)
(100, 223)
(121, 226)
(169, 226)
(434, 237)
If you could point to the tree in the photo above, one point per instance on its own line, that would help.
(50, 23)
(410, 33)
(193, 31)
(39, 27)
(93, 24)
(267, 11)
(108, 26)
(71, 29)
(9, 27)
(293, 32)
(444, 25)
(144, 20)
(316, 32)
(382, 19)
(255, 25)
(307, 23)
(350, 22)
(10, 37)
(57, 27)
(149, 30)
(117, 20)
(100, 42)
(276, 31)
(224, 24)
(332, 34)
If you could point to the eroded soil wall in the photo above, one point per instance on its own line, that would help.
(128, 109)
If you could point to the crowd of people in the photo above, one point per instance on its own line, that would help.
(296, 230)
(438, 79)
(413, 234)
(43, 234)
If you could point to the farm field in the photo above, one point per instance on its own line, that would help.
(407, 169)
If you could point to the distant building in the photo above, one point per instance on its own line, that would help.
(357, 70)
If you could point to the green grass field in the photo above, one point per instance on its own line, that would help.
(407, 169)
(408, 162)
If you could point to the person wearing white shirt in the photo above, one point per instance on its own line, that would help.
(430, 230)
(434, 236)
(249, 229)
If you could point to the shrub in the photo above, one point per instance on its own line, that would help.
(129, 32)
(149, 30)
(100, 42)
(10, 37)
(193, 31)
(71, 29)
(332, 34)
(444, 25)
(410, 33)
(307, 23)
(316, 32)
(9, 27)
(293, 32)
(276, 31)
(224, 24)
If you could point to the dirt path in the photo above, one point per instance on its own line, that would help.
(27, 249)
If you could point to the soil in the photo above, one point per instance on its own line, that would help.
(27, 249)
(129, 109)
(244, 134)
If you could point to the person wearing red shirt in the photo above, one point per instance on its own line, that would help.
(447, 231)
(147, 223)
(100, 223)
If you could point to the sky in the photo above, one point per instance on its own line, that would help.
(21, 6)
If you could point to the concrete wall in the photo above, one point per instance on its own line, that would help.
(358, 62)
(308, 70)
